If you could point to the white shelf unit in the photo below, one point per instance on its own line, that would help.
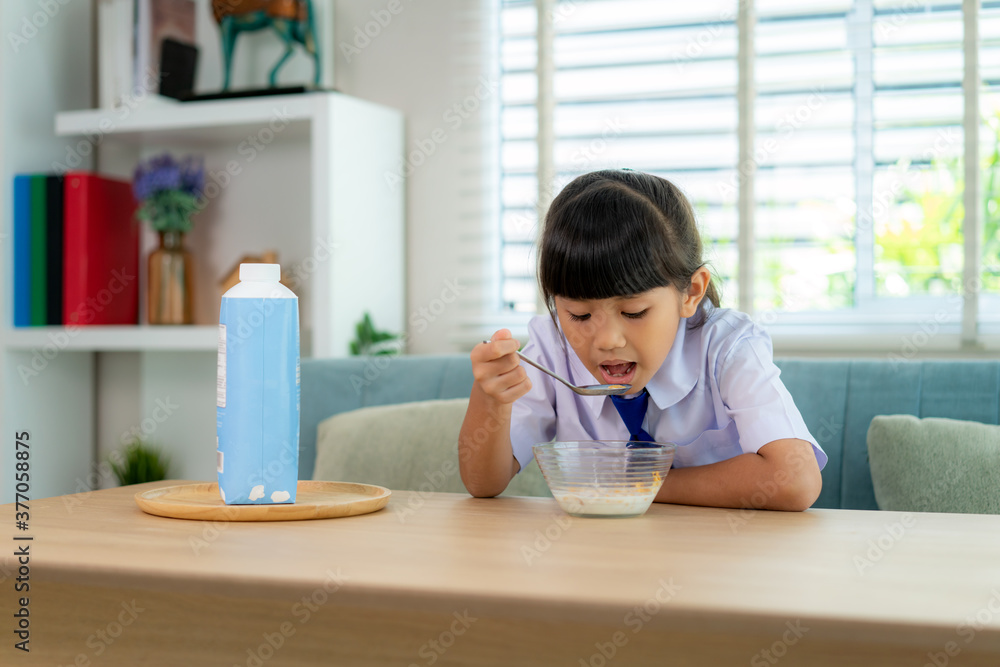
(115, 338)
(307, 177)
(335, 223)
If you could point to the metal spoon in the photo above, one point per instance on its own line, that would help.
(586, 390)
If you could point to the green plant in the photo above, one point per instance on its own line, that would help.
(369, 342)
(141, 463)
(169, 191)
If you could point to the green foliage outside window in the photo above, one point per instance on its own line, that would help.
(991, 214)
(919, 241)
(922, 248)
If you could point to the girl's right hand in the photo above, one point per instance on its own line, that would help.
(497, 368)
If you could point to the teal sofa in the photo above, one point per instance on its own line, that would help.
(837, 398)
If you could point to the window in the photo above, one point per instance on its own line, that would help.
(989, 61)
(806, 253)
(646, 85)
(854, 154)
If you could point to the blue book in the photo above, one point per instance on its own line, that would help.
(22, 250)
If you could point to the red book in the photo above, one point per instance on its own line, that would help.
(100, 251)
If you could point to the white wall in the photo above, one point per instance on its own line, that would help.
(419, 62)
(40, 72)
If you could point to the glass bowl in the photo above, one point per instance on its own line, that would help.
(604, 478)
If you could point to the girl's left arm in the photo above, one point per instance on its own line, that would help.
(781, 475)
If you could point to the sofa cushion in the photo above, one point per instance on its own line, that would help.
(332, 386)
(935, 465)
(406, 446)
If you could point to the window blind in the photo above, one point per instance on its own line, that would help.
(639, 84)
(858, 140)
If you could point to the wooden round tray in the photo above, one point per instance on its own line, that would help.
(314, 500)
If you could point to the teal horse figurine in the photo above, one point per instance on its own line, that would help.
(293, 20)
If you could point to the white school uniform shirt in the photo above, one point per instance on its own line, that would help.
(716, 396)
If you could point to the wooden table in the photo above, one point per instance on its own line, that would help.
(444, 579)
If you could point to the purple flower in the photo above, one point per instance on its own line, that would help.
(192, 170)
(163, 172)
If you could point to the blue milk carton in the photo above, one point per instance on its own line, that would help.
(257, 397)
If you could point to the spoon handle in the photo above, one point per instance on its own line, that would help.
(546, 371)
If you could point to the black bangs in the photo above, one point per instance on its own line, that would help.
(602, 245)
(618, 233)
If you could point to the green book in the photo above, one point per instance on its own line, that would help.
(39, 250)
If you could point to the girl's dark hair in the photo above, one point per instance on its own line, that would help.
(618, 233)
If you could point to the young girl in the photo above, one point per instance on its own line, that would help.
(631, 302)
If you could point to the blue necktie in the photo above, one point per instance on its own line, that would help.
(632, 411)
